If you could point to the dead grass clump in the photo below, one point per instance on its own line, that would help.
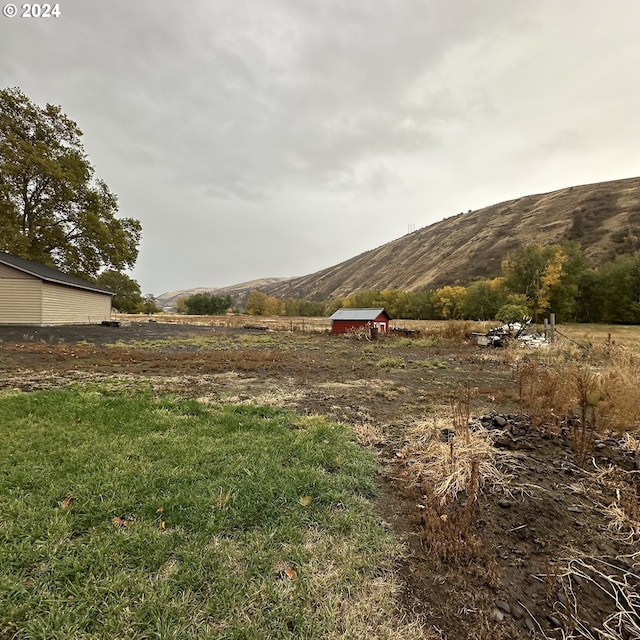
(368, 435)
(465, 464)
(600, 576)
(632, 444)
(619, 407)
(624, 512)
(449, 468)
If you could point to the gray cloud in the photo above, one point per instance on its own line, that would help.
(276, 138)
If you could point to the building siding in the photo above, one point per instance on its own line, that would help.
(9, 272)
(20, 300)
(66, 305)
(346, 326)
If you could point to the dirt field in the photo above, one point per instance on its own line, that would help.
(535, 552)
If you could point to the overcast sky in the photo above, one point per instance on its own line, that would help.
(258, 138)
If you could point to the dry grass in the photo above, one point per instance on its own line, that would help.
(624, 512)
(581, 395)
(273, 323)
(369, 435)
(450, 329)
(617, 584)
(449, 466)
(466, 463)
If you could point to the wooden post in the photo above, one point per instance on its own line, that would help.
(546, 330)
(552, 333)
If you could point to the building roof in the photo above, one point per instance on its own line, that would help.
(357, 314)
(48, 274)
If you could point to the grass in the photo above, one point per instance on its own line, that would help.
(431, 364)
(391, 363)
(130, 516)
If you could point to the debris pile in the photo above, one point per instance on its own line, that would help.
(503, 335)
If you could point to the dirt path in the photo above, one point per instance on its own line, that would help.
(529, 558)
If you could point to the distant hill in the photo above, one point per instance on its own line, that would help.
(604, 217)
(169, 299)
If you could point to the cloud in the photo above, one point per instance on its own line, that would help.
(321, 128)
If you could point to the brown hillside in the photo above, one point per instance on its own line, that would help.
(604, 217)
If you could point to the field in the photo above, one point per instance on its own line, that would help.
(167, 480)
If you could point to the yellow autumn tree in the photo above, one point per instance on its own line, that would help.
(260, 304)
(449, 302)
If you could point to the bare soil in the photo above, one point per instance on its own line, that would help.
(529, 565)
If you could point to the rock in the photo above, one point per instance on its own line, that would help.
(498, 616)
(503, 606)
(555, 623)
(517, 611)
(500, 421)
(446, 434)
(504, 503)
(530, 625)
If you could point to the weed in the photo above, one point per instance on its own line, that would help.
(431, 364)
(449, 476)
(391, 363)
(569, 393)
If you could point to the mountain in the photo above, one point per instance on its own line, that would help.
(604, 217)
(169, 299)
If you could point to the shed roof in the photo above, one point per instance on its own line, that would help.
(49, 274)
(357, 314)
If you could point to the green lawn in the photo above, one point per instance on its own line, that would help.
(128, 516)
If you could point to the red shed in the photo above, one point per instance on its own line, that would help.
(345, 320)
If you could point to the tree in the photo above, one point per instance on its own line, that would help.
(127, 296)
(592, 297)
(149, 304)
(449, 302)
(260, 304)
(548, 276)
(483, 299)
(620, 281)
(524, 270)
(204, 304)
(52, 208)
(563, 295)
(514, 310)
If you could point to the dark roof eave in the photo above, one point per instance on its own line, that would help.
(41, 272)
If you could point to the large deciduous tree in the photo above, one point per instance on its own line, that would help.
(127, 296)
(52, 208)
(205, 304)
(548, 275)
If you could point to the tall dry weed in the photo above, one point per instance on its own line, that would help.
(448, 474)
(583, 396)
(619, 408)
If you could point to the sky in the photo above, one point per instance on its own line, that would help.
(274, 138)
